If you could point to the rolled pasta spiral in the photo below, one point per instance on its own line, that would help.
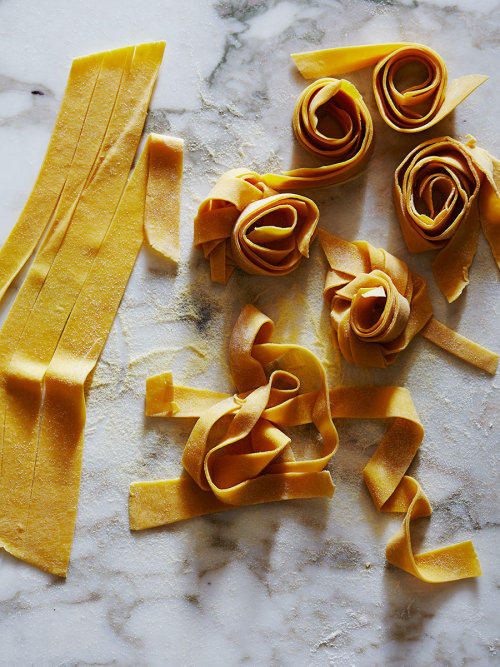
(327, 108)
(406, 108)
(414, 108)
(377, 306)
(244, 223)
(436, 188)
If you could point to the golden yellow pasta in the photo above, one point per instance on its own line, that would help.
(244, 223)
(406, 107)
(377, 306)
(436, 192)
(91, 78)
(330, 120)
(59, 322)
(238, 454)
(163, 197)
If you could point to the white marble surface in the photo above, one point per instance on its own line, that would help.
(283, 584)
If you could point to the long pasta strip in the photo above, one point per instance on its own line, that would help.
(56, 481)
(19, 402)
(377, 306)
(253, 473)
(51, 180)
(90, 220)
(417, 107)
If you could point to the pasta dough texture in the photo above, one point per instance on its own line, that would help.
(59, 322)
(237, 453)
(411, 107)
(377, 306)
(436, 191)
(244, 223)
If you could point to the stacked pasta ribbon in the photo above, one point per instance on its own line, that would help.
(237, 453)
(377, 306)
(59, 322)
(436, 192)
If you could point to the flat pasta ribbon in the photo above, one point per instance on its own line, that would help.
(237, 453)
(377, 306)
(58, 324)
(412, 107)
(245, 223)
(332, 121)
(436, 191)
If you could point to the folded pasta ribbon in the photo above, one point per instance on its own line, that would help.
(436, 191)
(406, 107)
(377, 306)
(332, 121)
(245, 223)
(237, 453)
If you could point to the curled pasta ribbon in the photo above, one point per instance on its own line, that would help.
(406, 108)
(436, 191)
(245, 223)
(238, 454)
(377, 306)
(330, 120)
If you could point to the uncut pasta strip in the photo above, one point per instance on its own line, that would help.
(34, 350)
(87, 151)
(54, 496)
(25, 401)
(51, 179)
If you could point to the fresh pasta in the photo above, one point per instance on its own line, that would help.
(377, 306)
(244, 223)
(238, 453)
(406, 107)
(437, 188)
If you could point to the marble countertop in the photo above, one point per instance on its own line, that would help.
(285, 583)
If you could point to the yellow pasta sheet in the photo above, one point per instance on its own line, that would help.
(406, 101)
(377, 306)
(437, 188)
(59, 322)
(237, 453)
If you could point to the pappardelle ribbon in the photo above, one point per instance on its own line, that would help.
(411, 106)
(332, 121)
(245, 223)
(377, 306)
(60, 320)
(237, 453)
(437, 188)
